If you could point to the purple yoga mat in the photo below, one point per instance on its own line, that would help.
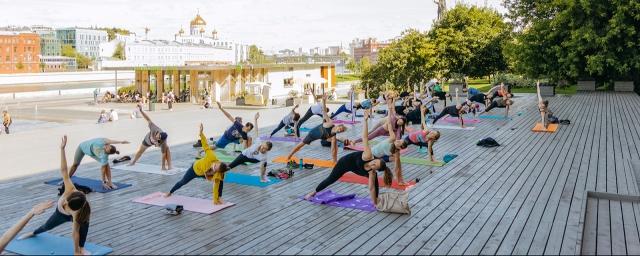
(339, 121)
(282, 139)
(455, 120)
(328, 197)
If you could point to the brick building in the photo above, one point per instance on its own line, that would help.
(19, 52)
(368, 48)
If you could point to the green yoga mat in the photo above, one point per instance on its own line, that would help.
(419, 161)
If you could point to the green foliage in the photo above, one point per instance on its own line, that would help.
(572, 39)
(351, 65)
(127, 89)
(363, 65)
(119, 52)
(347, 77)
(112, 32)
(407, 61)
(469, 41)
(512, 80)
(81, 60)
(257, 56)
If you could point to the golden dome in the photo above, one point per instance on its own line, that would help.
(198, 21)
(181, 31)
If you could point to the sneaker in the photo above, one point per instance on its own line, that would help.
(197, 144)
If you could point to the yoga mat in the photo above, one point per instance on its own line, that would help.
(191, 204)
(420, 161)
(452, 127)
(350, 177)
(148, 168)
(315, 162)
(339, 121)
(360, 147)
(281, 139)
(95, 185)
(249, 180)
(50, 244)
(305, 129)
(456, 120)
(330, 198)
(540, 128)
(498, 117)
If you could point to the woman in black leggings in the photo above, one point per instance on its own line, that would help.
(361, 163)
(72, 207)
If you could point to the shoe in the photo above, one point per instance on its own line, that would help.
(197, 144)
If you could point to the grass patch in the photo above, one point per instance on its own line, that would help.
(347, 77)
(559, 90)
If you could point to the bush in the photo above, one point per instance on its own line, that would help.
(512, 80)
(127, 89)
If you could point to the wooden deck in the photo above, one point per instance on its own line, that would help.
(528, 196)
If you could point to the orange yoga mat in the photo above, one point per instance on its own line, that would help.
(315, 162)
(540, 128)
(355, 178)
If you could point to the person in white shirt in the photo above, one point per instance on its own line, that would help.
(113, 115)
(288, 121)
(313, 110)
(256, 153)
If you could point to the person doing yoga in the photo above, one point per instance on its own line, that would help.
(318, 109)
(500, 102)
(352, 106)
(208, 167)
(16, 228)
(389, 150)
(155, 137)
(99, 149)
(235, 133)
(456, 110)
(393, 121)
(423, 137)
(362, 163)
(288, 122)
(327, 130)
(258, 152)
(72, 207)
(543, 107)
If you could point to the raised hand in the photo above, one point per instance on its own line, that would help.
(257, 115)
(39, 208)
(201, 128)
(63, 144)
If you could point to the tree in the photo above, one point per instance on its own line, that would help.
(363, 65)
(118, 53)
(351, 65)
(81, 60)
(405, 62)
(570, 40)
(469, 40)
(256, 56)
(112, 32)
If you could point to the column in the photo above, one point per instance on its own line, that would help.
(159, 85)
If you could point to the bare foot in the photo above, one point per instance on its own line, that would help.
(264, 179)
(168, 194)
(27, 235)
(84, 251)
(309, 196)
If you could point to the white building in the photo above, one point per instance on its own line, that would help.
(195, 48)
(85, 41)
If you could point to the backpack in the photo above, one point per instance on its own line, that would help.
(282, 173)
(488, 143)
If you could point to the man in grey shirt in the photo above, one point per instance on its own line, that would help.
(155, 137)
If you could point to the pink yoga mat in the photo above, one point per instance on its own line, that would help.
(281, 139)
(360, 147)
(455, 120)
(338, 121)
(192, 204)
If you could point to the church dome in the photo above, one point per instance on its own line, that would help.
(198, 21)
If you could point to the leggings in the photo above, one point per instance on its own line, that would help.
(335, 175)
(442, 114)
(380, 131)
(340, 110)
(6, 129)
(280, 126)
(188, 176)
(441, 96)
(58, 218)
(242, 159)
(306, 117)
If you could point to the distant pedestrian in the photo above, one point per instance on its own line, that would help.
(6, 121)
(103, 117)
(95, 96)
(170, 99)
(113, 115)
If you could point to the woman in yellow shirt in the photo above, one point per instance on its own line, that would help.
(208, 167)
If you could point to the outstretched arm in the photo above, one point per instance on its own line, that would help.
(365, 137)
(293, 110)
(457, 100)
(229, 116)
(327, 119)
(538, 89)
(255, 122)
(144, 114)
(68, 185)
(15, 229)
(110, 141)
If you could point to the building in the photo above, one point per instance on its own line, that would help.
(333, 51)
(196, 47)
(49, 42)
(84, 41)
(367, 48)
(19, 52)
(225, 82)
(58, 64)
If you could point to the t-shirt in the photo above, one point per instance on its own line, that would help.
(288, 119)
(149, 138)
(318, 133)
(418, 136)
(381, 149)
(114, 116)
(235, 132)
(316, 109)
(253, 152)
(437, 88)
(95, 149)
(473, 91)
(366, 104)
(6, 120)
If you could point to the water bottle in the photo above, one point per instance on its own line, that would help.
(301, 164)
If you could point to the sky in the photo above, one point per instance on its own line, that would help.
(271, 24)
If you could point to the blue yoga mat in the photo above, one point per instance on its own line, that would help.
(305, 129)
(95, 185)
(49, 244)
(249, 180)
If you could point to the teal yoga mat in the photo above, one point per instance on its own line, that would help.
(49, 244)
(249, 180)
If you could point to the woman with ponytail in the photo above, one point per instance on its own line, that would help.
(362, 163)
(72, 206)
